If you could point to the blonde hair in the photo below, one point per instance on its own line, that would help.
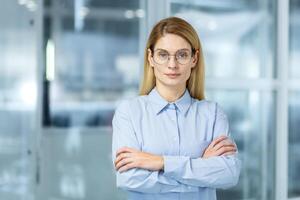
(175, 25)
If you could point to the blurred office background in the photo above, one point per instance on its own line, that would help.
(65, 64)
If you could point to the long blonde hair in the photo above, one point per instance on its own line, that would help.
(178, 26)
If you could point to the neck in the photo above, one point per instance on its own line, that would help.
(170, 94)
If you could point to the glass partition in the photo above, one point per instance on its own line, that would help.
(294, 145)
(251, 114)
(294, 99)
(18, 95)
(238, 44)
(92, 51)
(294, 39)
(237, 36)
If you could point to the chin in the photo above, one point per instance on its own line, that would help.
(173, 83)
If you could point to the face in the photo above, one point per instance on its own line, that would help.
(172, 61)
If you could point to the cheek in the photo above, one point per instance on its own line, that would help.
(187, 74)
(157, 71)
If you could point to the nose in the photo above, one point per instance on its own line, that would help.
(172, 63)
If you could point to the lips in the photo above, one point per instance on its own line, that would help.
(172, 75)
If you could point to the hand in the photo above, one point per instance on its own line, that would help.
(128, 158)
(221, 146)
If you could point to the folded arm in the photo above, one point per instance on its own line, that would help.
(139, 179)
(214, 172)
(218, 167)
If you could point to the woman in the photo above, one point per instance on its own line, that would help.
(170, 143)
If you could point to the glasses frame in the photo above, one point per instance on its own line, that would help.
(192, 53)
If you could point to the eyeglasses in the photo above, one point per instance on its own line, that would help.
(182, 56)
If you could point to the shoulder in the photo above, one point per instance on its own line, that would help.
(130, 105)
(204, 105)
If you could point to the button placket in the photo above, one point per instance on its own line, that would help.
(176, 133)
(173, 115)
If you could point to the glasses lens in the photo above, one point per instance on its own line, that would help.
(161, 56)
(183, 56)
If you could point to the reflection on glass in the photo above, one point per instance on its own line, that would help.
(77, 165)
(92, 58)
(18, 92)
(294, 145)
(251, 116)
(92, 53)
(294, 38)
(237, 36)
(238, 39)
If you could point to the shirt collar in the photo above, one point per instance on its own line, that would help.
(183, 103)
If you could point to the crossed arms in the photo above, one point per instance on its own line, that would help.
(139, 171)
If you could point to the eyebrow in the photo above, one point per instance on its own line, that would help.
(175, 51)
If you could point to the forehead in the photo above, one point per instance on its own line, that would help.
(172, 43)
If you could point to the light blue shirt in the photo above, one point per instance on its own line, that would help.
(180, 132)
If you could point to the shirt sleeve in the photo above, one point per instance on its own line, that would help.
(214, 172)
(136, 179)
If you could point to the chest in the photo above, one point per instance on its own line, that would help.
(171, 133)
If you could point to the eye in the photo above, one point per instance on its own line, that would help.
(163, 54)
(182, 55)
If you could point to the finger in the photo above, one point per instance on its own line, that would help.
(223, 143)
(217, 140)
(119, 158)
(123, 162)
(225, 147)
(122, 156)
(124, 150)
(229, 153)
(220, 139)
(127, 167)
(224, 150)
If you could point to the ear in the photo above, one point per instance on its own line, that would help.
(195, 58)
(150, 59)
